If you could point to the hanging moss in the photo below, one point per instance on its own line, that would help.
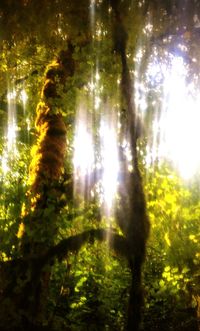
(49, 152)
(48, 155)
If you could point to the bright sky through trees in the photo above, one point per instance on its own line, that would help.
(176, 130)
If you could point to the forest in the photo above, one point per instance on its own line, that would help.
(99, 165)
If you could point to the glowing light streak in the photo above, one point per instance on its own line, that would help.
(4, 164)
(11, 95)
(10, 150)
(97, 102)
(24, 97)
(110, 163)
(11, 136)
(92, 15)
(97, 76)
(28, 122)
(91, 86)
(83, 159)
(12, 124)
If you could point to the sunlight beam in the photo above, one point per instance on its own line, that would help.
(12, 122)
(83, 159)
(176, 133)
(110, 163)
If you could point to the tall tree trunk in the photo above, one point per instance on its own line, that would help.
(28, 282)
(131, 213)
(40, 223)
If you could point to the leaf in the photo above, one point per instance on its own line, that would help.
(161, 283)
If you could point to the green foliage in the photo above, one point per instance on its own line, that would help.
(172, 266)
(89, 290)
(13, 177)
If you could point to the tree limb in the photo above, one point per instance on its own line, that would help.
(116, 242)
(74, 243)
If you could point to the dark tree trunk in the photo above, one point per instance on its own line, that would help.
(131, 214)
(136, 297)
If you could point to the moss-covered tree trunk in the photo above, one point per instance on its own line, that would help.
(25, 291)
(48, 156)
(40, 223)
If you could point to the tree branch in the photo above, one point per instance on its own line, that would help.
(74, 243)
(116, 242)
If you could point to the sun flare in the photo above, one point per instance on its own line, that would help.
(178, 124)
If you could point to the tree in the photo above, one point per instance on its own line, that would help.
(76, 35)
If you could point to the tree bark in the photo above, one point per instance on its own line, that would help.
(25, 290)
(131, 214)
